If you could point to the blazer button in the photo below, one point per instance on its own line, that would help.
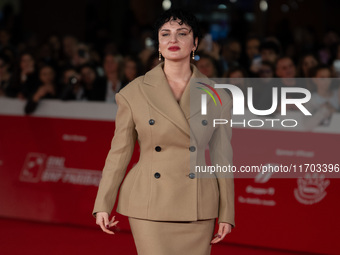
(158, 148)
(192, 148)
(157, 175)
(204, 122)
(192, 175)
(151, 121)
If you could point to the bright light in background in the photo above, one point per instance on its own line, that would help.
(263, 5)
(222, 6)
(233, 1)
(149, 42)
(166, 5)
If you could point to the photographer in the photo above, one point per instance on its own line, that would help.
(71, 85)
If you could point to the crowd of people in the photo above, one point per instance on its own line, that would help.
(68, 69)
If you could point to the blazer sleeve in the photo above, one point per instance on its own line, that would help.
(221, 154)
(118, 158)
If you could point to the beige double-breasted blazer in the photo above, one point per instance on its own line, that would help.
(173, 137)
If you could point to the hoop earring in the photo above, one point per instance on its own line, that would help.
(193, 55)
(159, 56)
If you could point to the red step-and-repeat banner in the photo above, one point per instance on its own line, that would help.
(50, 168)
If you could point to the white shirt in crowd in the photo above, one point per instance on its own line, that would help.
(110, 93)
(321, 115)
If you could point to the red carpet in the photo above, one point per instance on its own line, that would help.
(33, 238)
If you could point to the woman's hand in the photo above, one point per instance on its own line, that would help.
(42, 91)
(223, 230)
(102, 219)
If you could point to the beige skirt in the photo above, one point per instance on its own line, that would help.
(172, 237)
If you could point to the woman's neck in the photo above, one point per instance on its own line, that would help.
(177, 71)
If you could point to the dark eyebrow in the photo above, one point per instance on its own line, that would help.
(164, 29)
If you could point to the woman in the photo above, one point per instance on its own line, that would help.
(47, 88)
(131, 70)
(324, 101)
(25, 79)
(307, 62)
(170, 210)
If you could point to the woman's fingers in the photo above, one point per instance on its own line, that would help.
(216, 240)
(106, 230)
(219, 236)
(113, 219)
(114, 224)
(223, 230)
(102, 219)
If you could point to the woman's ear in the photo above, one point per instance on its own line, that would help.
(195, 43)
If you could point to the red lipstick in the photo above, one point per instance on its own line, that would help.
(173, 48)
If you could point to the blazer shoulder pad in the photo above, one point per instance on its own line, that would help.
(132, 86)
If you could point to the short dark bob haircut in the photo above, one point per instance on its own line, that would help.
(183, 16)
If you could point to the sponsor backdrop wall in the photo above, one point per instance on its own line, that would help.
(51, 162)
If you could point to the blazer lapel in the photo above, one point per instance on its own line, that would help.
(159, 95)
(191, 98)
